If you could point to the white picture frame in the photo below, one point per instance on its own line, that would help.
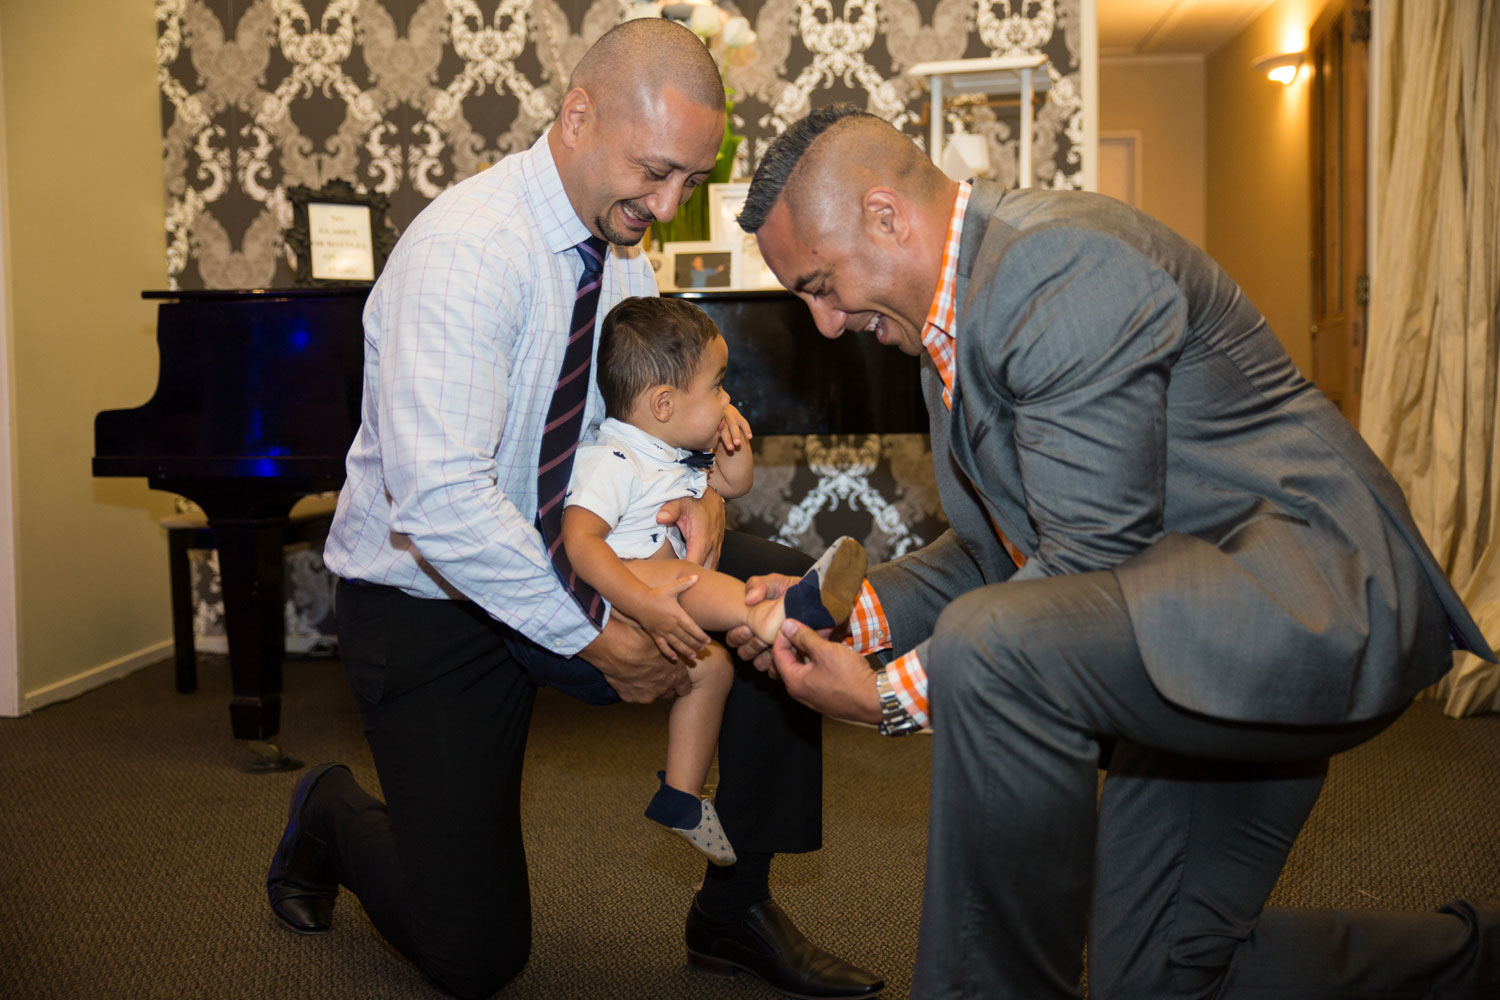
(658, 261)
(724, 204)
(698, 266)
(754, 273)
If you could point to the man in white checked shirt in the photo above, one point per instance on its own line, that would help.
(445, 577)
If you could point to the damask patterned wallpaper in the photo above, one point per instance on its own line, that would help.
(405, 97)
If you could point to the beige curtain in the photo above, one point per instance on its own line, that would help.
(1430, 399)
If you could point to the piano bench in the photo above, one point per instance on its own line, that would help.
(309, 519)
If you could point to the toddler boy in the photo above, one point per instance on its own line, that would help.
(670, 431)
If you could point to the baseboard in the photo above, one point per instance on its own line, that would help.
(94, 677)
(295, 645)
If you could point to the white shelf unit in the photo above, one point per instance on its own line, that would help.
(1006, 76)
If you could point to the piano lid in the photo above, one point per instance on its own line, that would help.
(251, 384)
(255, 294)
(787, 378)
(265, 384)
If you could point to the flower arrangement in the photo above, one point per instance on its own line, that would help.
(723, 34)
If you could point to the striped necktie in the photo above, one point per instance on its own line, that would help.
(565, 425)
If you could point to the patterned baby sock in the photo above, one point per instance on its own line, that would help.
(691, 818)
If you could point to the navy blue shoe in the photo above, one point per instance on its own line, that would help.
(301, 882)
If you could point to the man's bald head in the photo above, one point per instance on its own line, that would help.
(823, 164)
(639, 128)
(639, 59)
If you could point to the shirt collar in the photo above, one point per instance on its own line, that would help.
(559, 224)
(940, 316)
(642, 441)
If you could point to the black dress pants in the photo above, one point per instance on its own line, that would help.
(440, 866)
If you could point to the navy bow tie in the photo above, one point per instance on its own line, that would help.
(698, 460)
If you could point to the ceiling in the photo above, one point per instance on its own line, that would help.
(1172, 27)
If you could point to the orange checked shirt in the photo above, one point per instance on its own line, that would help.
(868, 629)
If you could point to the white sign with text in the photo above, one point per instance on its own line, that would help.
(342, 247)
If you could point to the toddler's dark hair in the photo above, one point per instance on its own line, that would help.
(647, 341)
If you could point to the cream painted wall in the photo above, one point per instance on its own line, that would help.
(1257, 173)
(1162, 99)
(84, 209)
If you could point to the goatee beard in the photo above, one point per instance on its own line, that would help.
(617, 235)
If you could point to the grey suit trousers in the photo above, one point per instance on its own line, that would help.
(1026, 681)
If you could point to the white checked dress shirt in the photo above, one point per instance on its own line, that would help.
(464, 339)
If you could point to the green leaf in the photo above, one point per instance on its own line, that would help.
(691, 220)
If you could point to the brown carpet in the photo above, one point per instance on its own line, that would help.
(132, 851)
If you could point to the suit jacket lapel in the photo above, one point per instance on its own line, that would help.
(986, 467)
(983, 201)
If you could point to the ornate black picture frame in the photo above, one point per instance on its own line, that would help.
(329, 237)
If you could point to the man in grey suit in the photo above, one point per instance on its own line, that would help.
(1218, 580)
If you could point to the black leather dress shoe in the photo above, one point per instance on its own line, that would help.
(301, 883)
(768, 945)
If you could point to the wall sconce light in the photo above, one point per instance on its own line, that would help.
(1281, 67)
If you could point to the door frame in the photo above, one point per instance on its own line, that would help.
(1339, 203)
(10, 650)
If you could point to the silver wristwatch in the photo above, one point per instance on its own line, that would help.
(895, 720)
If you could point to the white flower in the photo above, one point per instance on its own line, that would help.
(705, 20)
(737, 33)
(649, 8)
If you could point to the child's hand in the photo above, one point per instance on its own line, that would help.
(734, 431)
(668, 624)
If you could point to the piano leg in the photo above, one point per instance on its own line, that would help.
(180, 576)
(250, 572)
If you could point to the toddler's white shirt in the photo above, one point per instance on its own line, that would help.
(624, 475)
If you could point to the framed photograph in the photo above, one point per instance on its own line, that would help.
(754, 274)
(658, 260)
(698, 266)
(339, 236)
(724, 204)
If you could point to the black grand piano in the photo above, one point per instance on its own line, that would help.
(257, 401)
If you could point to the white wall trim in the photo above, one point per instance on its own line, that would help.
(1372, 161)
(1117, 57)
(1089, 72)
(86, 681)
(10, 645)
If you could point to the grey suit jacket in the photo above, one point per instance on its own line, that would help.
(1119, 405)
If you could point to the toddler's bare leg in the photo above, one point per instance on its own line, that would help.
(717, 601)
(692, 732)
(693, 724)
(823, 598)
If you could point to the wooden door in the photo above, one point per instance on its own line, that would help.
(1339, 53)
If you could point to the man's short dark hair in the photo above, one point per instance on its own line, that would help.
(645, 342)
(781, 159)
